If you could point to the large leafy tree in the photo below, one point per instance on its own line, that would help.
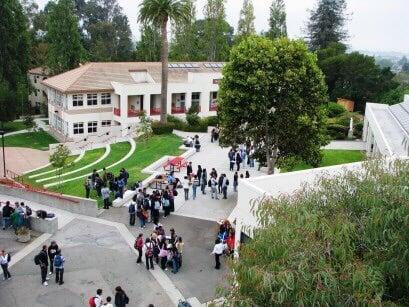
(65, 48)
(327, 24)
(185, 43)
(271, 94)
(353, 75)
(342, 241)
(159, 13)
(148, 48)
(217, 38)
(14, 58)
(105, 30)
(278, 20)
(246, 22)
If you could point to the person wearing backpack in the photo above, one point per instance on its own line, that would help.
(121, 299)
(96, 301)
(138, 246)
(52, 251)
(4, 262)
(42, 260)
(225, 184)
(166, 203)
(59, 267)
(132, 211)
(195, 185)
(88, 186)
(149, 254)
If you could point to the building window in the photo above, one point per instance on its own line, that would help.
(195, 96)
(213, 96)
(106, 123)
(78, 128)
(92, 127)
(77, 100)
(106, 98)
(92, 99)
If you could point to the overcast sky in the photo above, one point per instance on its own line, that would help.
(375, 25)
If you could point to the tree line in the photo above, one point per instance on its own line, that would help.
(66, 33)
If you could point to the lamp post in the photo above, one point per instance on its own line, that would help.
(4, 156)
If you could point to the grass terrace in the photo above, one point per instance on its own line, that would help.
(331, 158)
(146, 153)
(13, 126)
(37, 140)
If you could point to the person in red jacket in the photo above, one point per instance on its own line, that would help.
(138, 246)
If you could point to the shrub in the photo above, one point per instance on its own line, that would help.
(341, 241)
(160, 128)
(338, 132)
(193, 119)
(334, 110)
(211, 121)
(359, 127)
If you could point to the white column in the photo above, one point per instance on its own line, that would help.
(188, 101)
(123, 106)
(204, 102)
(147, 103)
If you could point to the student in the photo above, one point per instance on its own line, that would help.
(218, 250)
(175, 260)
(7, 211)
(42, 260)
(105, 192)
(148, 253)
(132, 211)
(4, 262)
(247, 174)
(163, 254)
(189, 169)
(235, 181)
(185, 184)
(225, 184)
(179, 246)
(195, 185)
(204, 181)
(121, 299)
(238, 160)
(52, 251)
(108, 303)
(59, 261)
(213, 188)
(96, 300)
(199, 173)
(166, 203)
(231, 156)
(88, 186)
(138, 246)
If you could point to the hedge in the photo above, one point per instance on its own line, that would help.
(338, 132)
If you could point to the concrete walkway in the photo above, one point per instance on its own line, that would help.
(346, 145)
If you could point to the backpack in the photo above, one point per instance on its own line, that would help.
(132, 208)
(146, 204)
(209, 183)
(126, 299)
(175, 193)
(184, 304)
(28, 211)
(149, 250)
(91, 302)
(157, 205)
(156, 250)
(227, 182)
(57, 261)
(37, 259)
(8, 258)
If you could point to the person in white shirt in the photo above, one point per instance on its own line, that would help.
(218, 250)
(185, 184)
(98, 298)
(108, 303)
(4, 262)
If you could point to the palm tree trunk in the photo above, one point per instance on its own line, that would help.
(165, 71)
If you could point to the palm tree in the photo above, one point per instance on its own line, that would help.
(159, 13)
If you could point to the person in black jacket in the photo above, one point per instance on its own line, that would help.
(7, 211)
(43, 260)
(52, 251)
(121, 299)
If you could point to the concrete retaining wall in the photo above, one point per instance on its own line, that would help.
(44, 225)
(78, 205)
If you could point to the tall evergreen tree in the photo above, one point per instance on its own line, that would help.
(65, 48)
(184, 44)
(246, 22)
(327, 24)
(149, 46)
(278, 20)
(216, 29)
(14, 58)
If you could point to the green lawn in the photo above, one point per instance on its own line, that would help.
(332, 157)
(146, 153)
(89, 157)
(37, 140)
(13, 126)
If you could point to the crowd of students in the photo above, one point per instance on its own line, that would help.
(121, 299)
(106, 185)
(15, 216)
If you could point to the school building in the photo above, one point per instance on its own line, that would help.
(98, 98)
